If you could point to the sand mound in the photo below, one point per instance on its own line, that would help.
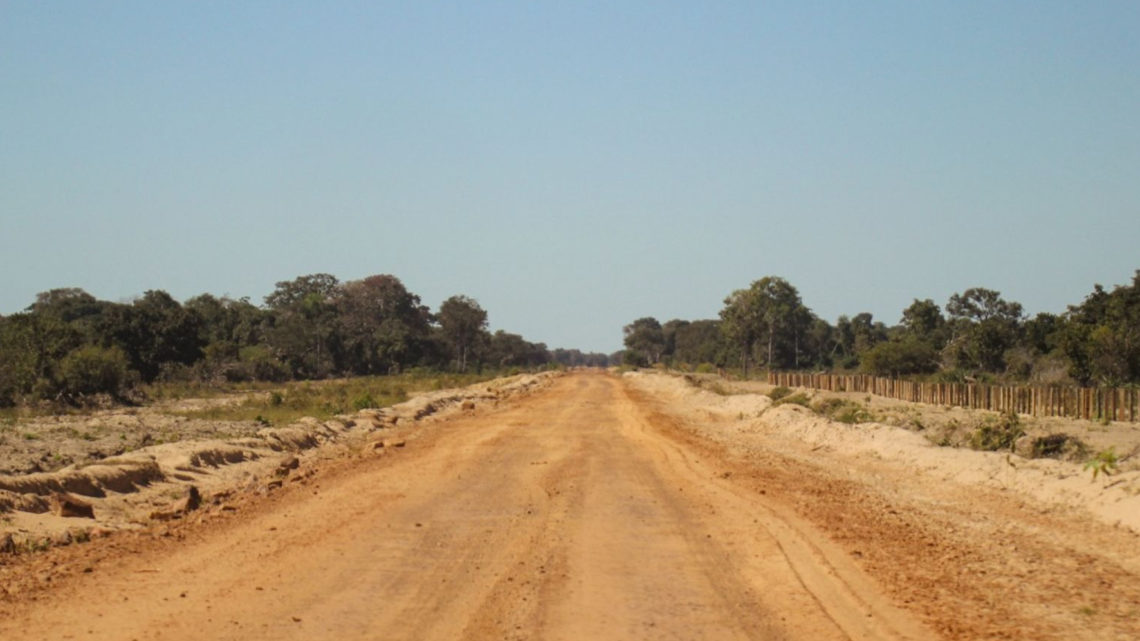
(748, 419)
(131, 488)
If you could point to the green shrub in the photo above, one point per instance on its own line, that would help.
(897, 358)
(257, 363)
(778, 393)
(843, 411)
(1058, 446)
(1104, 462)
(1000, 434)
(364, 401)
(93, 370)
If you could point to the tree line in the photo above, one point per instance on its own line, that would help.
(68, 345)
(978, 334)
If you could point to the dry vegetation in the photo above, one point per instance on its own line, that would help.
(36, 441)
(1105, 446)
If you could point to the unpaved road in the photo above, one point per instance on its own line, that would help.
(582, 511)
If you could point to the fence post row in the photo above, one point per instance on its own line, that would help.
(1116, 404)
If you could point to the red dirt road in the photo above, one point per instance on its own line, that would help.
(577, 512)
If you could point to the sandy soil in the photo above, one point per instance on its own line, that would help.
(161, 462)
(604, 507)
(49, 443)
(949, 425)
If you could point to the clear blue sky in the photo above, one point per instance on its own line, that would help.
(573, 166)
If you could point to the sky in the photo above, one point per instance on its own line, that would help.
(573, 166)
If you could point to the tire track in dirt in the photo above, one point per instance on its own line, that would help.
(973, 563)
(562, 515)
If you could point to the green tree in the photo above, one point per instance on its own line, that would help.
(866, 332)
(669, 331)
(463, 322)
(984, 326)
(154, 331)
(226, 327)
(17, 360)
(304, 329)
(31, 347)
(924, 321)
(67, 304)
(382, 324)
(769, 312)
(644, 341)
(93, 370)
(910, 355)
(1101, 336)
(576, 358)
(700, 341)
(511, 350)
(1042, 332)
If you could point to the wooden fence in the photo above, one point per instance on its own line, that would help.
(1116, 404)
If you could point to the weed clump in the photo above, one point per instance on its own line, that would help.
(779, 393)
(1058, 446)
(1000, 434)
(1104, 462)
(364, 402)
(843, 411)
(716, 387)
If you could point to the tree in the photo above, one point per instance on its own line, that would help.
(1101, 336)
(910, 355)
(924, 321)
(984, 326)
(68, 304)
(1042, 332)
(575, 358)
(866, 332)
(93, 370)
(304, 326)
(462, 321)
(291, 294)
(226, 328)
(770, 311)
(18, 360)
(31, 347)
(818, 343)
(979, 304)
(700, 341)
(644, 341)
(669, 334)
(511, 350)
(155, 330)
(382, 324)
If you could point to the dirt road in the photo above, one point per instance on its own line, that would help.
(579, 512)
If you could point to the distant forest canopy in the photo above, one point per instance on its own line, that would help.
(68, 344)
(978, 335)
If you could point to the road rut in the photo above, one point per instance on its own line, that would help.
(565, 515)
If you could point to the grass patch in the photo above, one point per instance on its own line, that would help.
(714, 386)
(325, 399)
(794, 399)
(843, 411)
(718, 388)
